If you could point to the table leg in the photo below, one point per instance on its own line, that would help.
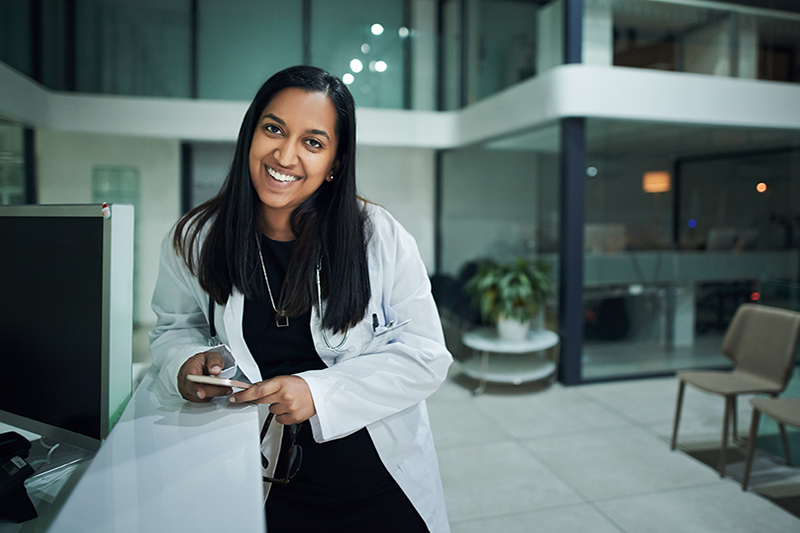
(484, 371)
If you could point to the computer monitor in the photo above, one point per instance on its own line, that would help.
(66, 319)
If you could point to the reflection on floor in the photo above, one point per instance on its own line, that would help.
(620, 358)
(596, 458)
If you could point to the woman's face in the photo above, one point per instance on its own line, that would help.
(293, 150)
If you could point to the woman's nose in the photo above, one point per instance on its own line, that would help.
(286, 154)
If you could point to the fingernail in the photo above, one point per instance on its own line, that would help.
(200, 394)
(215, 370)
(232, 399)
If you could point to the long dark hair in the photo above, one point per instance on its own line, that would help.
(331, 225)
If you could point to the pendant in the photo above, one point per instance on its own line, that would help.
(281, 320)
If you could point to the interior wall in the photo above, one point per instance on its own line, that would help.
(490, 200)
(402, 180)
(64, 164)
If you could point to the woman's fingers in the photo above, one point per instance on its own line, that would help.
(206, 363)
(289, 396)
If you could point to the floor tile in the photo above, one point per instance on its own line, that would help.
(581, 518)
(645, 401)
(620, 462)
(487, 480)
(701, 419)
(711, 508)
(554, 411)
(460, 423)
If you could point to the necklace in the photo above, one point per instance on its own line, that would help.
(281, 319)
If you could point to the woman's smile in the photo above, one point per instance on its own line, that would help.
(281, 177)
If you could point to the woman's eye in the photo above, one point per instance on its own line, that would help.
(272, 128)
(313, 143)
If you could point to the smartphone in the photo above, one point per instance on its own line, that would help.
(220, 382)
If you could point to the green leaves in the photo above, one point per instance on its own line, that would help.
(515, 290)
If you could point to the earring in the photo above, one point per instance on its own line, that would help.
(331, 178)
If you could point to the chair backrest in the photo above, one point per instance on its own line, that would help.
(762, 340)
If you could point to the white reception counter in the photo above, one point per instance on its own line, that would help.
(170, 465)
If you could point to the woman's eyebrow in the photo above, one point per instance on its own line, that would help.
(319, 132)
(273, 117)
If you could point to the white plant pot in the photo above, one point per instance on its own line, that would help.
(537, 323)
(512, 330)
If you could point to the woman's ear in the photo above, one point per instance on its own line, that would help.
(334, 170)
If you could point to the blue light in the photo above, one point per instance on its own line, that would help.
(692, 223)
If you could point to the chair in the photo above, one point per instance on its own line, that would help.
(782, 410)
(760, 342)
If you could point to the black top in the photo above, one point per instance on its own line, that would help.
(334, 475)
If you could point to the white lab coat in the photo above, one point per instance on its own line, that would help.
(378, 379)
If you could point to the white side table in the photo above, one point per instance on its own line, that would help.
(509, 365)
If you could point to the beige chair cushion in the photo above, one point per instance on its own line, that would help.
(784, 410)
(761, 341)
(727, 383)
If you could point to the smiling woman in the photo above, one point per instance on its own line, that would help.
(289, 281)
(291, 155)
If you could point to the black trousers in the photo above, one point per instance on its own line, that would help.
(387, 512)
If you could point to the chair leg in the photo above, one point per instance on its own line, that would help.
(681, 387)
(734, 416)
(785, 440)
(751, 447)
(723, 451)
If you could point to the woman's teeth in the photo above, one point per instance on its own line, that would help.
(281, 177)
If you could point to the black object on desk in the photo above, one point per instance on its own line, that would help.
(15, 505)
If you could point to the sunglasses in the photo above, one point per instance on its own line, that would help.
(295, 453)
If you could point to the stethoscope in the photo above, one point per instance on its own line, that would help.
(338, 347)
(335, 349)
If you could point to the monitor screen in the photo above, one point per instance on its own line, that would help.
(64, 311)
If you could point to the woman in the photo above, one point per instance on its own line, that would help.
(322, 301)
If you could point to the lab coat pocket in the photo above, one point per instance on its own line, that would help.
(387, 332)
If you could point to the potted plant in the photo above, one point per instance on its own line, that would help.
(511, 295)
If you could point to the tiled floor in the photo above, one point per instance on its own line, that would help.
(591, 459)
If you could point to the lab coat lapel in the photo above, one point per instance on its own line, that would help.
(233, 316)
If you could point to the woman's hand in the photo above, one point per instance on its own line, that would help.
(206, 363)
(290, 397)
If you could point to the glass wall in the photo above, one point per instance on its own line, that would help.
(683, 224)
(12, 164)
(364, 45)
(209, 167)
(241, 44)
(722, 39)
(213, 49)
(387, 49)
(15, 35)
(489, 45)
(133, 48)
